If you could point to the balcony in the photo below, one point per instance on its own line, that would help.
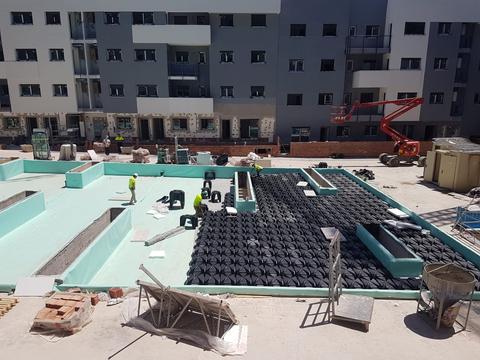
(181, 35)
(183, 71)
(363, 44)
(174, 105)
(406, 79)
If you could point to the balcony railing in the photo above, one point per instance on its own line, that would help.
(363, 44)
(183, 70)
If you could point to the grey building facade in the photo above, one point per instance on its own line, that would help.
(230, 71)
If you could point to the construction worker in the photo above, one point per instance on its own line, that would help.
(107, 144)
(258, 169)
(119, 139)
(131, 186)
(197, 204)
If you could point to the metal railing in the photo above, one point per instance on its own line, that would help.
(183, 69)
(365, 44)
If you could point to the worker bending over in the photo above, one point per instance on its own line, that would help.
(198, 206)
(132, 187)
(258, 169)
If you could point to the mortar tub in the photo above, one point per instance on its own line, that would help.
(390, 251)
(448, 282)
(245, 200)
(19, 208)
(321, 185)
(115, 224)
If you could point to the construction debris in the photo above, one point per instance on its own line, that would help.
(6, 304)
(65, 313)
(140, 156)
(364, 174)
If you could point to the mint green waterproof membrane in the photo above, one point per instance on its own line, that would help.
(114, 257)
(26, 205)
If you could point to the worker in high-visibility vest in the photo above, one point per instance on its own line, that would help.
(258, 169)
(132, 186)
(197, 204)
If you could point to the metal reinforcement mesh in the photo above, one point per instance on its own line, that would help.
(282, 244)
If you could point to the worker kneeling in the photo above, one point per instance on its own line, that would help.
(198, 206)
(258, 169)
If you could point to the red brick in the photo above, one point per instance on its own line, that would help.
(115, 293)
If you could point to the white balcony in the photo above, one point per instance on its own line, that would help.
(181, 35)
(175, 105)
(406, 79)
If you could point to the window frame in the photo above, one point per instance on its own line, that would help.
(112, 15)
(262, 16)
(180, 120)
(476, 99)
(63, 90)
(436, 98)
(325, 30)
(32, 92)
(124, 123)
(114, 58)
(369, 133)
(257, 53)
(27, 53)
(119, 90)
(210, 124)
(439, 61)
(298, 30)
(255, 93)
(228, 93)
(295, 62)
(324, 67)
(148, 90)
(202, 57)
(414, 31)
(372, 30)
(324, 97)
(14, 119)
(184, 57)
(296, 96)
(300, 134)
(56, 51)
(406, 63)
(406, 93)
(22, 15)
(145, 53)
(442, 26)
(229, 54)
(226, 20)
(345, 131)
(143, 18)
(53, 23)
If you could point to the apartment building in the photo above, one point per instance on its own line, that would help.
(236, 71)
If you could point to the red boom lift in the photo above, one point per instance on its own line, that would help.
(406, 150)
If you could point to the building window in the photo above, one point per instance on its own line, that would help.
(26, 55)
(372, 30)
(371, 130)
(124, 123)
(226, 20)
(207, 124)
(179, 124)
(436, 98)
(347, 98)
(325, 99)
(343, 131)
(440, 63)
(259, 20)
(30, 90)
(202, 20)
(11, 122)
(294, 99)
(298, 29)
(444, 28)
(56, 55)
(112, 18)
(300, 134)
(181, 57)
(180, 20)
(329, 29)
(51, 123)
(410, 64)
(226, 56)
(226, 91)
(366, 97)
(352, 30)
(183, 91)
(116, 90)
(257, 56)
(142, 18)
(327, 65)
(408, 130)
(114, 55)
(147, 91)
(22, 18)
(257, 91)
(60, 90)
(295, 65)
(350, 65)
(202, 91)
(53, 18)
(145, 54)
(476, 99)
(414, 28)
(202, 57)
(406, 95)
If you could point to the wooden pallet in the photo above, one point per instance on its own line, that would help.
(6, 304)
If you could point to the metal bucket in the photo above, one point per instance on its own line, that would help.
(448, 282)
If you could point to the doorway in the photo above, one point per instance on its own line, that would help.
(158, 129)
(323, 133)
(144, 132)
(32, 123)
(249, 128)
(99, 128)
(226, 131)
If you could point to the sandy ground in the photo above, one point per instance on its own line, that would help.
(276, 326)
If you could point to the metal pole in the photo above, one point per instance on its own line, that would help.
(139, 300)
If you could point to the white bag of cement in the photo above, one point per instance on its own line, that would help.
(157, 254)
(398, 213)
(253, 156)
(402, 225)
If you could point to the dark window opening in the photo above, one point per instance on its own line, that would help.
(414, 28)
(329, 29)
(294, 99)
(259, 20)
(298, 29)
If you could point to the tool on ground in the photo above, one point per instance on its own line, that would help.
(406, 149)
(353, 308)
(165, 235)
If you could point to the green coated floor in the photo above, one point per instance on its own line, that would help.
(69, 211)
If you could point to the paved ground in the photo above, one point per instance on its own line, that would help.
(275, 324)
